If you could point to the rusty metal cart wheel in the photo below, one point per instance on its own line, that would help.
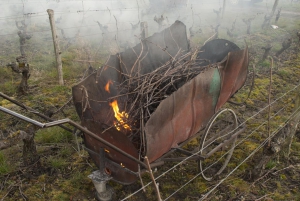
(217, 143)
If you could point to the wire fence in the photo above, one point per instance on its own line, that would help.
(241, 140)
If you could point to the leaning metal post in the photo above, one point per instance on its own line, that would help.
(99, 178)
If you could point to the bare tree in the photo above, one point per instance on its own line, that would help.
(285, 45)
(267, 49)
(248, 23)
(21, 66)
(22, 33)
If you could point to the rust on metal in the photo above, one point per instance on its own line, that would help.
(189, 109)
(177, 118)
(92, 97)
(181, 115)
(116, 162)
(233, 74)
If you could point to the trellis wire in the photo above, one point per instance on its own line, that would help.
(251, 154)
(244, 122)
(200, 171)
(240, 142)
(200, 150)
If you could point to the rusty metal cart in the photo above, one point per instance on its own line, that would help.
(194, 110)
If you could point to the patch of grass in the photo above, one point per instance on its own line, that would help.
(283, 73)
(56, 162)
(265, 64)
(67, 57)
(78, 179)
(271, 164)
(59, 195)
(59, 89)
(250, 146)
(283, 177)
(240, 185)
(9, 87)
(73, 71)
(4, 166)
(65, 152)
(77, 183)
(296, 146)
(53, 135)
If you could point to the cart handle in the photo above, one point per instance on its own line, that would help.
(72, 123)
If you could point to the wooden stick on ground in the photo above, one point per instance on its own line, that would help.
(153, 180)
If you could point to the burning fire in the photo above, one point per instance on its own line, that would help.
(109, 82)
(120, 116)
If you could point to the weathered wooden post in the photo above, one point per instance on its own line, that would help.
(56, 47)
(278, 15)
(224, 7)
(293, 124)
(274, 7)
(144, 30)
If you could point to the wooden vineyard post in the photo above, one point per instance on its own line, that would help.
(153, 180)
(144, 30)
(269, 103)
(274, 7)
(224, 7)
(56, 47)
(293, 124)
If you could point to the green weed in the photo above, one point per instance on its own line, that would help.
(56, 162)
(65, 152)
(53, 135)
(59, 195)
(4, 167)
(265, 64)
(284, 74)
(271, 164)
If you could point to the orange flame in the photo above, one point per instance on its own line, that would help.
(120, 116)
(107, 86)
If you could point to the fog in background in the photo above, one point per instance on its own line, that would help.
(119, 18)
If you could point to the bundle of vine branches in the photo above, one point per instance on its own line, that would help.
(145, 92)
